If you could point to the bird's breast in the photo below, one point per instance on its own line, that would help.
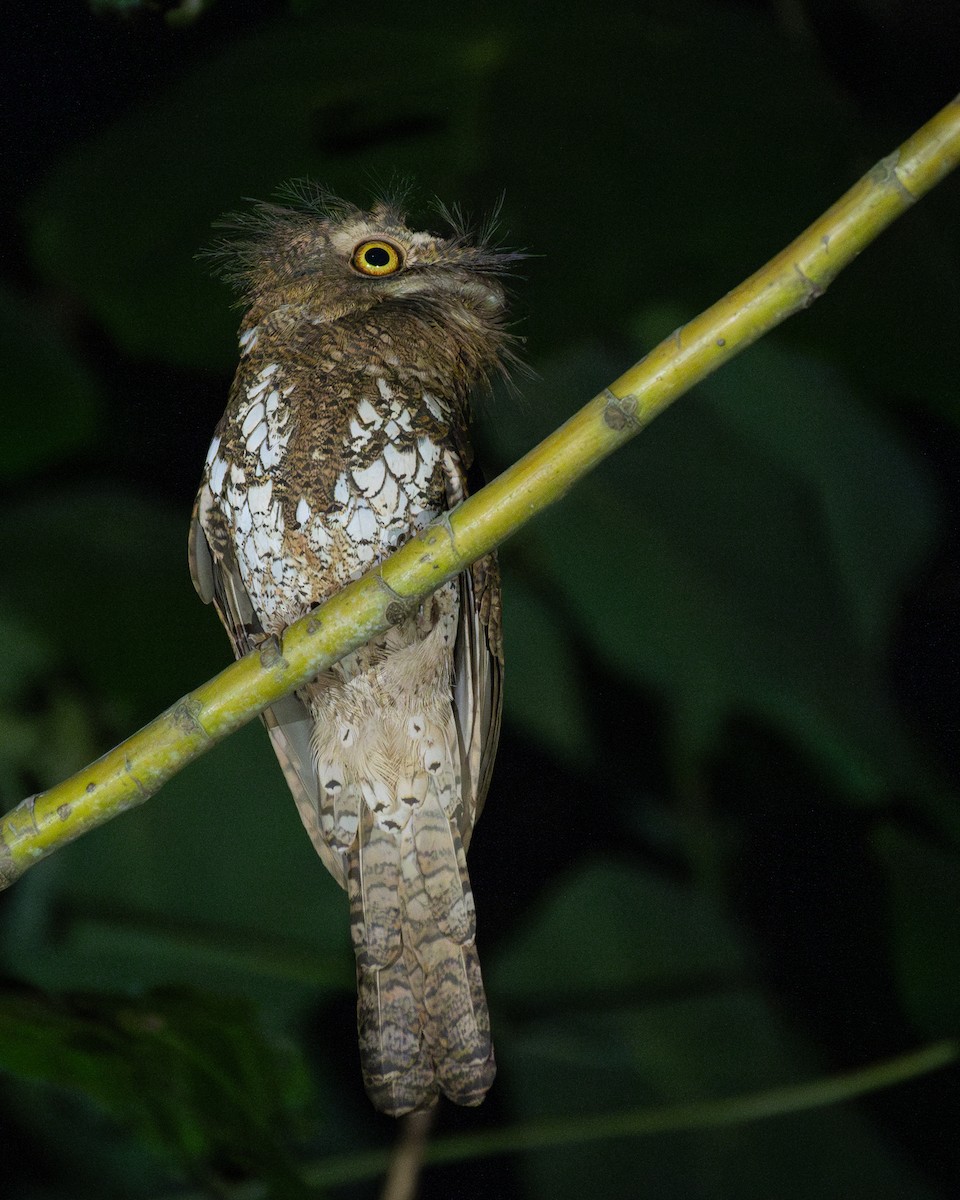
(320, 480)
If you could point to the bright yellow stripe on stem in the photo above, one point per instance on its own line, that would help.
(792, 280)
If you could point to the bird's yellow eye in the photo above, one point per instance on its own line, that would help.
(377, 258)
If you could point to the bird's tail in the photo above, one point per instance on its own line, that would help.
(421, 1010)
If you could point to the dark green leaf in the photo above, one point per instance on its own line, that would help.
(49, 399)
(226, 888)
(692, 1030)
(543, 694)
(613, 930)
(924, 900)
(193, 1074)
(102, 575)
(746, 555)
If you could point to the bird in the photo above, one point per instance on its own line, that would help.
(346, 431)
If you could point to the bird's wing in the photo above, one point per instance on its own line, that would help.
(216, 576)
(478, 669)
(478, 694)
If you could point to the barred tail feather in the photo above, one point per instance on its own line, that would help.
(421, 1011)
(438, 920)
(397, 1070)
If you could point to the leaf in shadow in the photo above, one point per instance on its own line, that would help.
(193, 1075)
(924, 899)
(746, 555)
(672, 1017)
(50, 401)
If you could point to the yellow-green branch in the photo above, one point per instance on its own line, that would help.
(133, 771)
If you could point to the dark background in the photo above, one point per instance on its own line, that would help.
(721, 848)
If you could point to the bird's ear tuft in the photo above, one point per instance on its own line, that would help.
(258, 240)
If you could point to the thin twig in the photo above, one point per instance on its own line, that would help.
(770, 1103)
(406, 1158)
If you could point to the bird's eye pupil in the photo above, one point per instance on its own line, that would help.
(377, 258)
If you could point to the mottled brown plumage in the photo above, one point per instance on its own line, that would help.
(346, 430)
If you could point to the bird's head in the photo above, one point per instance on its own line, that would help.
(323, 259)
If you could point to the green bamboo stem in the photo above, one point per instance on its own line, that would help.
(138, 767)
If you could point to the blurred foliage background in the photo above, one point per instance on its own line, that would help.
(722, 844)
